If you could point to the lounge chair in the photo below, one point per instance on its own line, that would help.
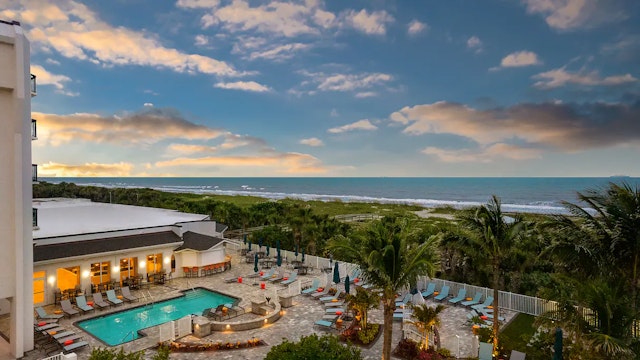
(431, 288)
(517, 355)
(330, 298)
(485, 351)
(99, 301)
(404, 301)
(334, 310)
(62, 334)
(73, 337)
(489, 315)
(462, 293)
(269, 274)
(126, 294)
(45, 327)
(318, 294)
(42, 314)
(112, 298)
(275, 277)
(81, 302)
(475, 301)
(68, 308)
(326, 324)
(234, 308)
(487, 302)
(292, 277)
(333, 304)
(444, 292)
(74, 346)
(313, 288)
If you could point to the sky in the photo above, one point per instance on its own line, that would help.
(248, 88)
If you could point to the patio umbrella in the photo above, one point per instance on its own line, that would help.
(557, 346)
(260, 244)
(267, 249)
(296, 252)
(244, 239)
(255, 263)
(347, 284)
(302, 254)
(249, 245)
(336, 274)
(278, 246)
(279, 259)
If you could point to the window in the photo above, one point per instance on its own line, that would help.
(68, 278)
(100, 273)
(154, 263)
(173, 263)
(38, 286)
(128, 267)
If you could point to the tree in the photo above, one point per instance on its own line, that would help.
(425, 318)
(389, 261)
(491, 237)
(361, 302)
(327, 347)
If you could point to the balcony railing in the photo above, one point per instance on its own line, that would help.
(34, 214)
(34, 129)
(34, 172)
(34, 91)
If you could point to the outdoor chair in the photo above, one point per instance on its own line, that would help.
(99, 301)
(275, 277)
(334, 310)
(462, 293)
(42, 314)
(127, 296)
(517, 355)
(319, 294)
(404, 301)
(68, 308)
(333, 303)
(331, 297)
(475, 301)
(444, 292)
(485, 351)
(81, 302)
(487, 302)
(431, 288)
(268, 274)
(292, 277)
(112, 298)
(74, 346)
(313, 288)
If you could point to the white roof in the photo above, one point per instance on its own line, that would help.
(64, 217)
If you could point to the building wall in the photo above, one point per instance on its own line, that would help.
(16, 257)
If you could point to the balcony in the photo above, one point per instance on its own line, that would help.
(34, 91)
(34, 173)
(34, 130)
(34, 215)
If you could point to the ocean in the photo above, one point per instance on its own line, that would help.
(539, 195)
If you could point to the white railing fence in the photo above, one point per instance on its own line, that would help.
(62, 356)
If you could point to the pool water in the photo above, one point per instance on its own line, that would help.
(121, 327)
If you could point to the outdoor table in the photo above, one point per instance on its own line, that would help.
(261, 254)
(327, 269)
(302, 270)
(249, 259)
(267, 262)
(244, 252)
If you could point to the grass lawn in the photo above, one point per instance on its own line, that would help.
(517, 334)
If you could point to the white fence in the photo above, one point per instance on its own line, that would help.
(62, 356)
(174, 329)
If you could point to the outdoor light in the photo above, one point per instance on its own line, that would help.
(167, 260)
(228, 327)
(85, 273)
(52, 280)
(265, 321)
(143, 263)
(115, 268)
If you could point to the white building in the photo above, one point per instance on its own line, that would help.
(17, 86)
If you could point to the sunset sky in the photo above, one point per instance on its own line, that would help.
(334, 88)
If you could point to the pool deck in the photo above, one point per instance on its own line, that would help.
(296, 321)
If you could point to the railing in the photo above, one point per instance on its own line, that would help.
(34, 215)
(34, 132)
(34, 91)
(34, 173)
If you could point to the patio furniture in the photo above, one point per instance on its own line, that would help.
(112, 298)
(313, 288)
(431, 288)
(461, 296)
(474, 301)
(444, 292)
(99, 301)
(127, 296)
(42, 314)
(68, 308)
(81, 302)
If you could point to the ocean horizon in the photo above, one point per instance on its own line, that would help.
(540, 195)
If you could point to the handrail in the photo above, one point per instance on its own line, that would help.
(125, 337)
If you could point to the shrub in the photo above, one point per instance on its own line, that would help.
(367, 335)
(163, 353)
(327, 347)
(112, 354)
(407, 349)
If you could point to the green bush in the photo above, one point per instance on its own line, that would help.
(312, 347)
(163, 353)
(112, 354)
(367, 335)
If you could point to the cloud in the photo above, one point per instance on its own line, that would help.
(577, 14)
(145, 127)
(312, 142)
(560, 126)
(416, 27)
(483, 154)
(285, 163)
(561, 77)
(279, 53)
(625, 48)
(520, 59)
(474, 43)
(341, 82)
(53, 62)
(243, 85)
(44, 77)
(366, 94)
(196, 4)
(120, 169)
(148, 104)
(76, 32)
(364, 124)
(373, 23)
(201, 40)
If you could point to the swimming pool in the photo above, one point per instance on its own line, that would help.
(118, 328)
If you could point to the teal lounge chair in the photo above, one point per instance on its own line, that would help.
(462, 293)
(444, 292)
(517, 355)
(334, 310)
(81, 302)
(431, 288)
(292, 277)
(403, 301)
(330, 298)
(324, 292)
(268, 274)
(475, 301)
(314, 287)
(43, 314)
(487, 302)
(485, 351)
(112, 298)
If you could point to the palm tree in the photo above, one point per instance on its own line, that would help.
(492, 237)
(388, 261)
(425, 318)
(361, 302)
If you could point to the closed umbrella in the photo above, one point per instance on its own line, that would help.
(296, 252)
(244, 239)
(278, 246)
(249, 245)
(255, 263)
(260, 244)
(557, 346)
(279, 259)
(336, 274)
(267, 249)
(302, 254)
(347, 285)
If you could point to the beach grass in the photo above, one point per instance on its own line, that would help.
(517, 334)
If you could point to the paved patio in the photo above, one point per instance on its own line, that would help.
(297, 320)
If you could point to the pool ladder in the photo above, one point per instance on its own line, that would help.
(147, 298)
